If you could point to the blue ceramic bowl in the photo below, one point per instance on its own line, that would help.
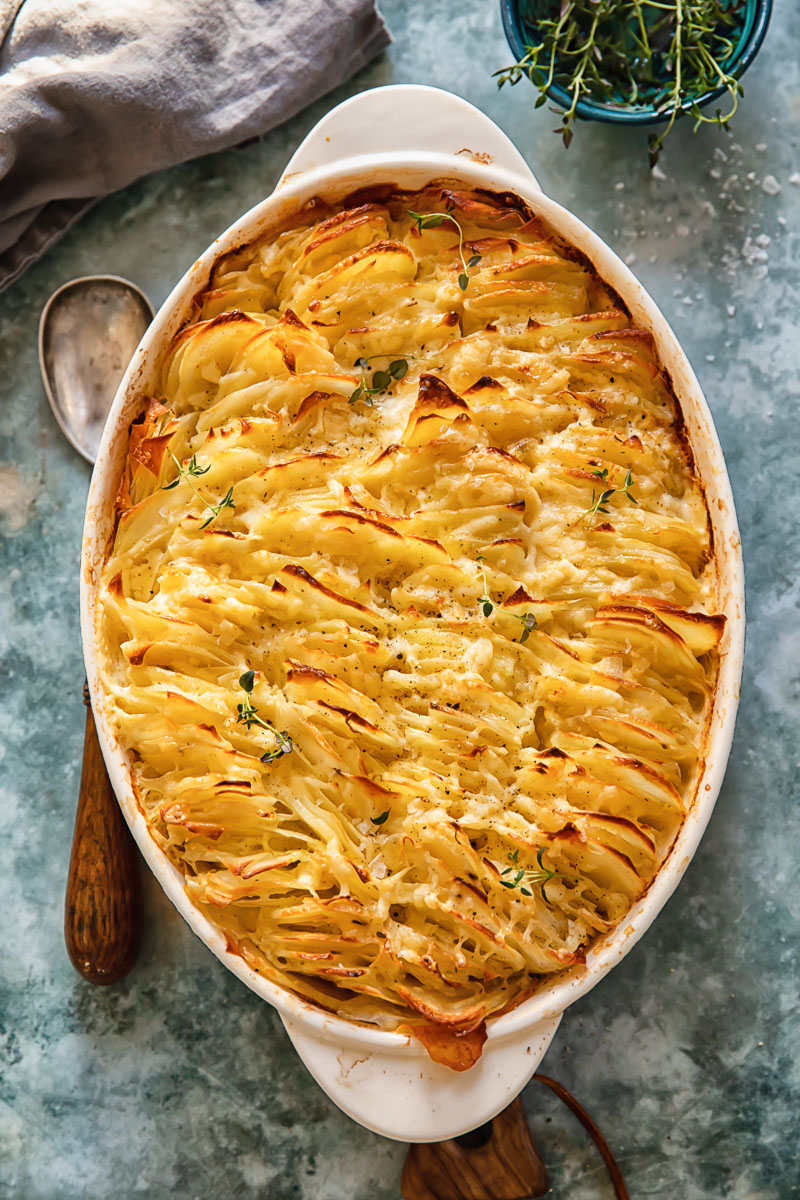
(522, 32)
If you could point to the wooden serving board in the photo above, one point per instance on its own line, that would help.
(497, 1161)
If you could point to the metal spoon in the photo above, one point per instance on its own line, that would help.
(88, 332)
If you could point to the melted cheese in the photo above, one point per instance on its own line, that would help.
(495, 687)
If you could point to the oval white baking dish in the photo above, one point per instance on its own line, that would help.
(383, 1080)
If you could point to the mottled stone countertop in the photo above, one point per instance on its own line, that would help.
(179, 1083)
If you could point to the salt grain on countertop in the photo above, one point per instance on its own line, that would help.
(770, 185)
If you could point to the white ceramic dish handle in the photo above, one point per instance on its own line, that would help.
(405, 1096)
(407, 119)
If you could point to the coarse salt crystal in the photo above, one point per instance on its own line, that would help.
(770, 185)
(730, 309)
(753, 253)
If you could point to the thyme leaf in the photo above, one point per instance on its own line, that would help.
(380, 820)
(216, 509)
(601, 497)
(526, 878)
(190, 471)
(528, 625)
(191, 468)
(485, 601)
(488, 605)
(430, 221)
(381, 380)
(247, 715)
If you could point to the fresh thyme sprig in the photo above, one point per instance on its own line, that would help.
(248, 715)
(488, 605)
(528, 625)
(632, 53)
(600, 499)
(485, 601)
(191, 468)
(191, 471)
(430, 221)
(381, 380)
(526, 878)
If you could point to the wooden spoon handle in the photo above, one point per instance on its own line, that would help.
(498, 1161)
(103, 911)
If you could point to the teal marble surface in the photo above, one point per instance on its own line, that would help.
(179, 1083)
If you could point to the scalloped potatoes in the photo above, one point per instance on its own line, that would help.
(472, 602)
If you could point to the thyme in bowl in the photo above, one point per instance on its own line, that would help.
(661, 55)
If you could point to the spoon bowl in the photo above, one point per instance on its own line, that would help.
(88, 332)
